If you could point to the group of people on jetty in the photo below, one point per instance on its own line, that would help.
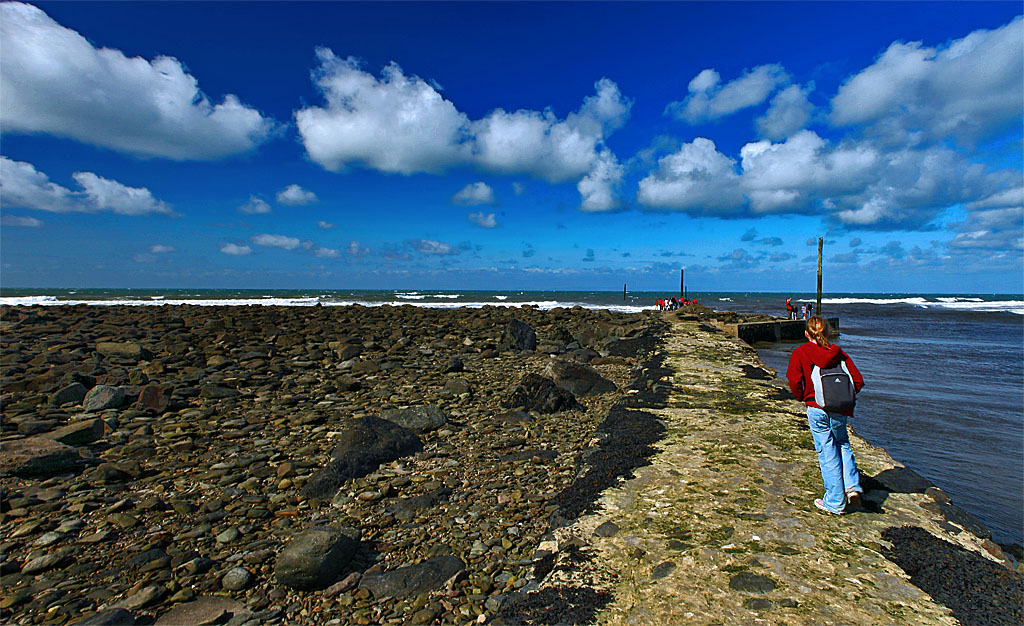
(671, 304)
(806, 311)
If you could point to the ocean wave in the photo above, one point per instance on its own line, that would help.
(410, 296)
(725, 299)
(501, 297)
(979, 305)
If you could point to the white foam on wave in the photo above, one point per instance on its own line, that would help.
(916, 300)
(954, 303)
(501, 297)
(409, 296)
(725, 299)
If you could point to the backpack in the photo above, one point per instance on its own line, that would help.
(833, 388)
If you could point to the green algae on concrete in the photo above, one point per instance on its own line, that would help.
(720, 528)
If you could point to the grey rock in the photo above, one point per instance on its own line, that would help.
(314, 558)
(103, 397)
(754, 583)
(236, 579)
(412, 580)
(517, 337)
(43, 563)
(607, 529)
(79, 433)
(457, 387)
(662, 570)
(541, 394)
(454, 364)
(217, 392)
(122, 350)
(204, 610)
(419, 419)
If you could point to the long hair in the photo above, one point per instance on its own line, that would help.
(819, 330)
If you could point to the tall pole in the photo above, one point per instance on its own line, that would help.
(623, 291)
(682, 287)
(817, 309)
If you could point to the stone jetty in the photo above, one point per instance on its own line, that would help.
(397, 465)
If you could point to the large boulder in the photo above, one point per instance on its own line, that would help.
(40, 457)
(155, 398)
(122, 350)
(582, 380)
(79, 433)
(107, 617)
(314, 558)
(419, 419)
(412, 580)
(363, 444)
(541, 394)
(103, 397)
(205, 610)
(75, 392)
(518, 336)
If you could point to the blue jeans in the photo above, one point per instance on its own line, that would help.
(835, 457)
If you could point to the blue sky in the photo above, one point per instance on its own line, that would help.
(512, 146)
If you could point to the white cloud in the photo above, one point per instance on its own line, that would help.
(357, 249)
(474, 193)
(483, 220)
(19, 221)
(161, 249)
(276, 241)
(968, 89)
(789, 112)
(255, 206)
(518, 188)
(599, 188)
(428, 246)
(294, 195)
(235, 249)
(322, 225)
(709, 100)
(52, 80)
(402, 124)
(22, 186)
(697, 178)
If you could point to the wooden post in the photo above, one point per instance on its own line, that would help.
(682, 285)
(623, 291)
(817, 310)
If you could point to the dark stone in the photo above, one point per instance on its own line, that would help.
(626, 347)
(75, 392)
(349, 351)
(204, 610)
(40, 457)
(36, 427)
(756, 373)
(107, 617)
(314, 558)
(216, 392)
(122, 350)
(758, 604)
(457, 387)
(363, 445)
(581, 380)
(517, 337)
(347, 383)
(607, 529)
(754, 583)
(455, 364)
(155, 398)
(103, 397)
(422, 501)
(79, 433)
(662, 570)
(897, 480)
(419, 419)
(412, 580)
(538, 393)
(529, 455)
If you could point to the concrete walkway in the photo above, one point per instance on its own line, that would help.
(720, 528)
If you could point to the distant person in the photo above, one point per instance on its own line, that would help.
(824, 377)
(789, 308)
(810, 309)
(803, 311)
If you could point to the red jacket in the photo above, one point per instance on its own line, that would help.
(803, 361)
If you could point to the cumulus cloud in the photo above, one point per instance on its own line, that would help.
(483, 220)
(599, 188)
(357, 249)
(429, 246)
(254, 206)
(276, 241)
(53, 80)
(402, 124)
(968, 88)
(22, 186)
(518, 188)
(709, 100)
(993, 223)
(474, 193)
(789, 112)
(697, 178)
(294, 195)
(19, 221)
(161, 249)
(233, 249)
(320, 252)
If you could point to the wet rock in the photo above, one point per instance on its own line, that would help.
(412, 580)
(419, 419)
(518, 336)
(580, 379)
(205, 610)
(75, 392)
(315, 558)
(363, 444)
(541, 394)
(753, 583)
(36, 456)
(103, 397)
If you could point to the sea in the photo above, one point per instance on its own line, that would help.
(944, 373)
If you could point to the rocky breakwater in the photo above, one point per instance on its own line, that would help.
(271, 465)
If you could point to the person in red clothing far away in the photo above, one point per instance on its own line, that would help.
(828, 428)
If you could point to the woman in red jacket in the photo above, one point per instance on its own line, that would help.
(828, 429)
